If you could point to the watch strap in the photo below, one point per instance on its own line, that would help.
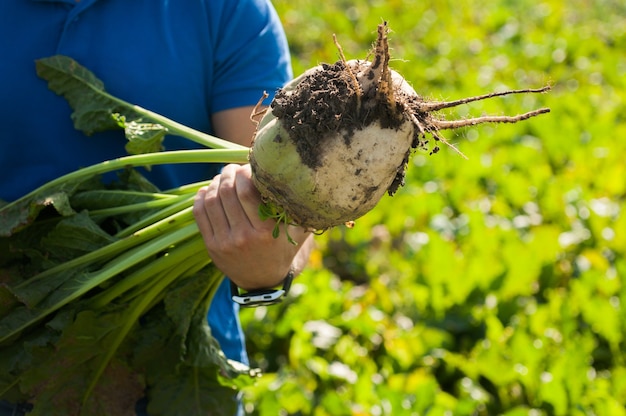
(261, 297)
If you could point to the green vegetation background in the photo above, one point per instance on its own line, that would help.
(488, 286)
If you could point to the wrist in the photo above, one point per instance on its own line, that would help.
(264, 296)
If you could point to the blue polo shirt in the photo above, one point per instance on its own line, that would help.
(185, 59)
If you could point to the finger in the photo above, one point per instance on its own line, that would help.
(200, 214)
(229, 197)
(214, 209)
(250, 199)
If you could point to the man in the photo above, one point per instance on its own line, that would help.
(204, 63)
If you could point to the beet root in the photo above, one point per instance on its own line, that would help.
(339, 137)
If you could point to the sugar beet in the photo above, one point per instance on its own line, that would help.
(339, 136)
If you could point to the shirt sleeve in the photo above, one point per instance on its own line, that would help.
(251, 54)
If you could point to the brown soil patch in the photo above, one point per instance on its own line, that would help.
(326, 102)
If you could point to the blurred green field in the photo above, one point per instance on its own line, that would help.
(483, 287)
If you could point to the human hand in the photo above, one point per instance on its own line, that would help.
(239, 242)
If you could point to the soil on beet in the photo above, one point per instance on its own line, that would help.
(325, 102)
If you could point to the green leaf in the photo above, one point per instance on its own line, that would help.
(185, 298)
(71, 238)
(266, 211)
(186, 370)
(75, 236)
(58, 379)
(131, 179)
(142, 137)
(187, 304)
(189, 390)
(16, 216)
(25, 354)
(194, 386)
(95, 110)
(105, 198)
(84, 92)
(82, 281)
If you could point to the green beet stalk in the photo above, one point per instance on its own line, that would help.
(178, 129)
(138, 207)
(153, 231)
(190, 251)
(113, 268)
(145, 159)
(181, 262)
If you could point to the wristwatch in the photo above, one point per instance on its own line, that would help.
(261, 297)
